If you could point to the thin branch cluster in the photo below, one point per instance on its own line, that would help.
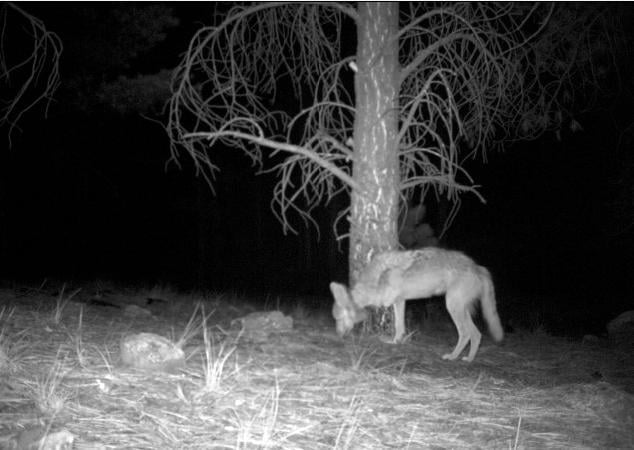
(29, 64)
(462, 88)
(576, 61)
(474, 75)
(481, 75)
(225, 91)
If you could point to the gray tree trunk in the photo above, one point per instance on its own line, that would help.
(374, 211)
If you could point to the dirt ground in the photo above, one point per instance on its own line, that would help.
(303, 389)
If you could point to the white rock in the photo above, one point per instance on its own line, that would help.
(151, 351)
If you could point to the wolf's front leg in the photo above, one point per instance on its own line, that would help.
(399, 324)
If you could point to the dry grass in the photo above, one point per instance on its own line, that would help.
(302, 390)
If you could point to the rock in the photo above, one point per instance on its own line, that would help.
(151, 352)
(621, 330)
(136, 311)
(258, 326)
(37, 439)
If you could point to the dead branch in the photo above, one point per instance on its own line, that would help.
(26, 70)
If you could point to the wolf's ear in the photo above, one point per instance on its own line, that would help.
(340, 293)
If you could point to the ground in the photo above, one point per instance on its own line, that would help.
(303, 389)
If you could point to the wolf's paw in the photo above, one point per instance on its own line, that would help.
(388, 340)
(448, 357)
(403, 339)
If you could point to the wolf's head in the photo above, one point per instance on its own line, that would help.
(344, 310)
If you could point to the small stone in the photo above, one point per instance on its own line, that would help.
(37, 439)
(136, 311)
(258, 326)
(590, 339)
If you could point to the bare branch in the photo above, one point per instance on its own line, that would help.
(225, 87)
(280, 146)
(42, 61)
(473, 76)
(345, 9)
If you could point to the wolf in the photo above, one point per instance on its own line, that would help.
(393, 277)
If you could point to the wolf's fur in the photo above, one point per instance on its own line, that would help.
(393, 277)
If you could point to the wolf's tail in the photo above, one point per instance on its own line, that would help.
(489, 309)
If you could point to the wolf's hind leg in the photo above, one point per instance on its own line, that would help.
(467, 331)
(474, 337)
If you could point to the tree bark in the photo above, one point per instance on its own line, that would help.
(374, 209)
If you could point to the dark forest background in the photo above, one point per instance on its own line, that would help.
(87, 193)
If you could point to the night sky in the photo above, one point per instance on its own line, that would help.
(86, 194)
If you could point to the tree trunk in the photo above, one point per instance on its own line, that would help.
(374, 210)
